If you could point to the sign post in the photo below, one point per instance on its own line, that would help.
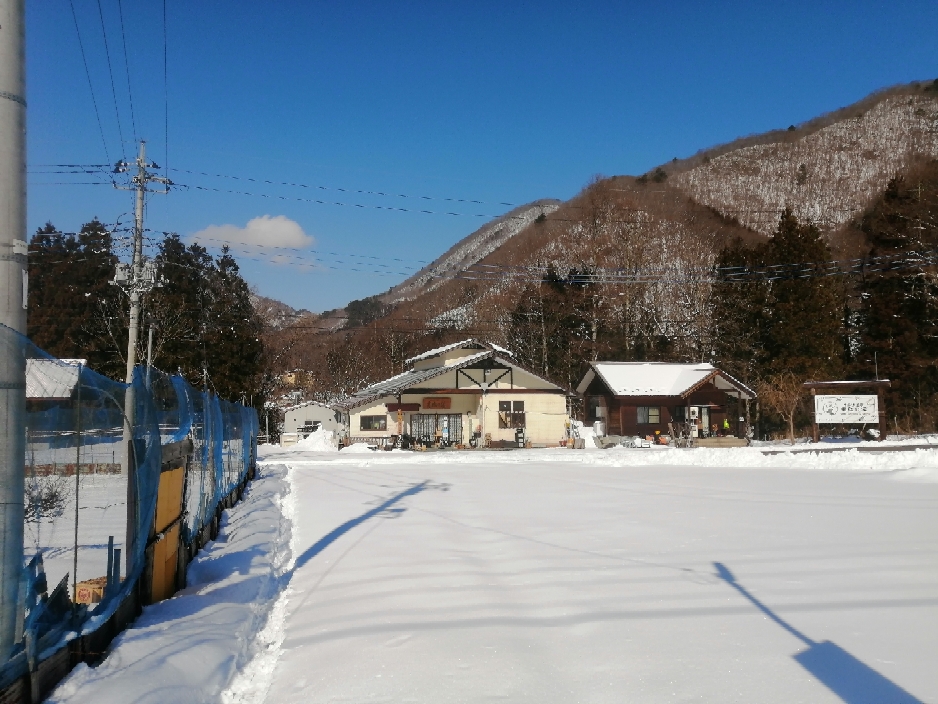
(862, 409)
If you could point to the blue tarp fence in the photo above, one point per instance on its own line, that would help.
(92, 468)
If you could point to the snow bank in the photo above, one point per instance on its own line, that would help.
(359, 447)
(918, 465)
(921, 463)
(188, 648)
(321, 440)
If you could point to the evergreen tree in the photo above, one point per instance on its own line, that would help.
(740, 312)
(70, 297)
(552, 325)
(205, 320)
(777, 315)
(202, 315)
(804, 330)
(899, 313)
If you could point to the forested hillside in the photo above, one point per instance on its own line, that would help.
(826, 177)
(646, 268)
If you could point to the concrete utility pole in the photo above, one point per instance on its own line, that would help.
(13, 282)
(138, 279)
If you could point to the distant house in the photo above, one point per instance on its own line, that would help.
(305, 418)
(639, 398)
(468, 390)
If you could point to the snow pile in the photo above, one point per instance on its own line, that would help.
(359, 447)
(320, 440)
(923, 462)
(188, 648)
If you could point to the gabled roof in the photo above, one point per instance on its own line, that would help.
(399, 384)
(471, 342)
(659, 378)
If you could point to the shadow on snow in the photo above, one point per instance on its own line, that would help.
(851, 680)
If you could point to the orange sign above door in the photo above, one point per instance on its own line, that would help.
(438, 403)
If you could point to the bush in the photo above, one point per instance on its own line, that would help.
(46, 497)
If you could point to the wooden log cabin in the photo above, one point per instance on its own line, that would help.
(642, 398)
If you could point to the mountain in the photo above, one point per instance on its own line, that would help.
(276, 314)
(827, 171)
(650, 240)
(470, 250)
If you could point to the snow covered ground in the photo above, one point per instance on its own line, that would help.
(553, 576)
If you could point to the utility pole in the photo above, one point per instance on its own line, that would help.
(137, 280)
(13, 291)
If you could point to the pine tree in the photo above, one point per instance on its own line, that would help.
(70, 298)
(205, 320)
(804, 330)
(740, 312)
(899, 313)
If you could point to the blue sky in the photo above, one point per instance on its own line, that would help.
(487, 101)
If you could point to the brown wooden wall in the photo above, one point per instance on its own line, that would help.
(622, 411)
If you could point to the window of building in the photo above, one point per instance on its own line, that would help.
(511, 414)
(679, 414)
(595, 408)
(649, 415)
(374, 422)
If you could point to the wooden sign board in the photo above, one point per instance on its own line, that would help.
(438, 403)
(846, 409)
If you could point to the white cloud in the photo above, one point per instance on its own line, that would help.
(264, 231)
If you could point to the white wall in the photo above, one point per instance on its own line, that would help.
(295, 418)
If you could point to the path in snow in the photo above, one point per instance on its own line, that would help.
(187, 649)
(554, 576)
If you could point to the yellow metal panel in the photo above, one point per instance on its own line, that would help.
(164, 565)
(168, 509)
(169, 498)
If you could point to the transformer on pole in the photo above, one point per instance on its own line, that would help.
(137, 280)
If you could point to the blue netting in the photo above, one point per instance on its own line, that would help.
(79, 496)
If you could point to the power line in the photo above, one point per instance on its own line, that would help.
(165, 95)
(130, 95)
(84, 60)
(107, 53)
(347, 205)
(342, 190)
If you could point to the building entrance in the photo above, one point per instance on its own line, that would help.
(430, 428)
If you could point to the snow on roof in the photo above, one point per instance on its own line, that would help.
(441, 350)
(307, 403)
(401, 382)
(500, 350)
(455, 346)
(651, 378)
(51, 378)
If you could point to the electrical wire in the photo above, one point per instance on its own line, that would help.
(342, 190)
(593, 275)
(347, 205)
(165, 94)
(130, 94)
(110, 69)
(84, 61)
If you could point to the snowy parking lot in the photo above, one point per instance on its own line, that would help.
(553, 576)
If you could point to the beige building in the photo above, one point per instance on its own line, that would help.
(461, 394)
(305, 418)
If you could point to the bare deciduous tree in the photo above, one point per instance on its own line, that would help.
(783, 393)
